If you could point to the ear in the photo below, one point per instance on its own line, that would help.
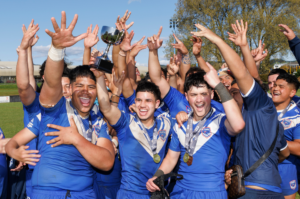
(157, 103)
(186, 96)
(293, 93)
(212, 94)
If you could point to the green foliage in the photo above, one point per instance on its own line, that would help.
(297, 74)
(264, 77)
(263, 18)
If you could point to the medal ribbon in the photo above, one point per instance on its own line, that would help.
(191, 136)
(284, 111)
(153, 142)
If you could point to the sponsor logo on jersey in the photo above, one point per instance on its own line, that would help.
(206, 132)
(162, 134)
(286, 123)
(293, 184)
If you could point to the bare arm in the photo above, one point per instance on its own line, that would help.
(31, 69)
(294, 147)
(197, 43)
(173, 68)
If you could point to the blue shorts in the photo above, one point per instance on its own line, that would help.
(50, 194)
(260, 194)
(181, 193)
(289, 182)
(106, 192)
(124, 194)
(28, 182)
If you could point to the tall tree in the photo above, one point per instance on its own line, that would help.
(263, 17)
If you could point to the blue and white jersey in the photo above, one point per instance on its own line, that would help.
(136, 154)
(162, 109)
(3, 172)
(177, 102)
(211, 152)
(261, 121)
(63, 167)
(296, 99)
(291, 124)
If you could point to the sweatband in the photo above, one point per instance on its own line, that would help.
(223, 93)
(115, 142)
(159, 173)
(56, 54)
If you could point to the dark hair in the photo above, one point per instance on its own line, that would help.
(233, 82)
(195, 79)
(66, 72)
(290, 79)
(145, 86)
(81, 71)
(194, 70)
(164, 70)
(147, 77)
(278, 71)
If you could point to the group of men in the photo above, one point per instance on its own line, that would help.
(196, 122)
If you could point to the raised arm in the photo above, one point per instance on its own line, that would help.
(197, 43)
(258, 54)
(61, 38)
(24, 70)
(235, 64)
(154, 43)
(173, 68)
(90, 41)
(234, 122)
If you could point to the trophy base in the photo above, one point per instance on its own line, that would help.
(104, 65)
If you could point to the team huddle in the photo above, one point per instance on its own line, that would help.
(91, 134)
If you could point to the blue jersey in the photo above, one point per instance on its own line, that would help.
(63, 167)
(177, 102)
(3, 172)
(162, 109)
(261, 121)
(211, 152)
(123, 106)
(296, 99)
(136, 154)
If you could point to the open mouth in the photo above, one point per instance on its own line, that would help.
(275, 94)
(227, 87)
(200, 106)
(143, 112)
(85, 101)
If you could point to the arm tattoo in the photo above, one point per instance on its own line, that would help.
(186, 59)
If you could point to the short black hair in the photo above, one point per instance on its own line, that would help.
(81, 71)
(195, 79)
(66, 72)
(194, 70)
(164, 70)
(290, 79)
(145, 86)
(277, 71)
(233, 82)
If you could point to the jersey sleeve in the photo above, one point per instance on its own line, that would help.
(176, 102)
(1, 133)
(122, 125)
(34, 125)
(283, 143)
(175, 143)
(130, 100)
(102, 132)
(295, 48)
(34, 108)
(256, 98)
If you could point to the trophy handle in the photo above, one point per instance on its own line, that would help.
(105, 54)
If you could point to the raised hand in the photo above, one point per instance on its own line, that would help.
(28, 35)
(97, 73)
(258, 53)
(134, 52)
(27, 156)
(205, 32)
(180, 46)
(62, 37)
(197, 43)
(92, 37)
(154, 42)
(173, 67)
(212, 77)
(240, 36)
(126, 43)
(289, 33)
(123, 21)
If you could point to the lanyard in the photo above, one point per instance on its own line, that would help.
(191, 136)
(153, 142)
(284, 111)
(88, 135)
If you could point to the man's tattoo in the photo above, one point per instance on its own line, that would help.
(186, 59)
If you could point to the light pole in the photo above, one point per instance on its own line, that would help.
(174, 23)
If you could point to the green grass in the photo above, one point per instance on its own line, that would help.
(8, 89)
(11, 118)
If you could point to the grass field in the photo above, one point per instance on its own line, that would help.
(8, 89)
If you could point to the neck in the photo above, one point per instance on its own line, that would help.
(282, 105)
(148, 122)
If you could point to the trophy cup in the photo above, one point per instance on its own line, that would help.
(110, 36)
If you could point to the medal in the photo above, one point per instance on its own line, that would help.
(186, 157)
(190, 161)
(156, 158)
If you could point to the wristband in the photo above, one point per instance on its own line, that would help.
(223, 93)
(122, 53)
(158, 173)
(115, 95)
(56, 54)
(115, 142)
(114, 102)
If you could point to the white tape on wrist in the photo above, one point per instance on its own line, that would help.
(56, 54)
(115, 142)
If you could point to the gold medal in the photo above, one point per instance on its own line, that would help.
(186, 157)
(156, 158)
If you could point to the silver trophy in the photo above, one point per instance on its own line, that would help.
(110, 36)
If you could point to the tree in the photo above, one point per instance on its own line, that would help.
(263, 17)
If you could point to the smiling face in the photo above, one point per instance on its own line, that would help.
(83, 94)
(65, 81)
(282, 92)
(146, 103)
(226, 81)
(199, 99)
(271, 81)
